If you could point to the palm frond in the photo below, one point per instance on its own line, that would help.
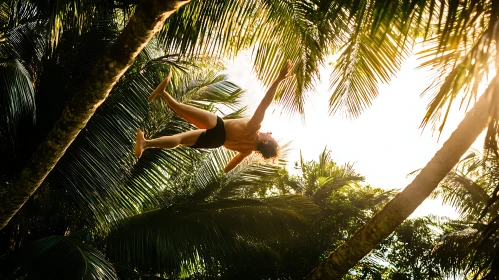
(453, 251)
(225, 231)
(463, 194)
(27, 43)
(274, 30)
(208, 178)
(16, 12)
(76, 15)
(256, 178)
(17, 99)
(289, 32)
(467, 252)
(95, 166)
(248, 179)
(237, 114)
(59, 257)
(485, 254)
(5, 11)
(460, 55)
(469, 186)
(324, 176)
(216, 28)
(175, 61)
(20, 55)
(366, 60)
(218, 90)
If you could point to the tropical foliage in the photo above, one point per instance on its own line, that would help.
(468, 245)
(406, 254)
(442, 248)
(98, 195)
(98, 182)
(458, 39)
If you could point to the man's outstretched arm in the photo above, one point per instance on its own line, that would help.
(269, 97)
(235, 161)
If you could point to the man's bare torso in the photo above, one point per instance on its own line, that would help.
(239, 136)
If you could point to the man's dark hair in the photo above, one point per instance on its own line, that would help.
(268, 149)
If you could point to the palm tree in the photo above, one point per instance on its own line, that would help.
(469, 186)
(460, 48)
(113, 127)
(147, 19)
(98, 187)
(347, 203)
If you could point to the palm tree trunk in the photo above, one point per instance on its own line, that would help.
(147, 20)
(402, 205)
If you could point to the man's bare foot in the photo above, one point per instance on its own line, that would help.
(139, 143)
(161, 88)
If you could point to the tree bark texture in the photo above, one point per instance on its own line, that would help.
(147, 20)
(367, 237)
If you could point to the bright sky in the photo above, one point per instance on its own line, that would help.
(385, 142)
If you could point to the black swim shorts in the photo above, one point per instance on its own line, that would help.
(212, 138)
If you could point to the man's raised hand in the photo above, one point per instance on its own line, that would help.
(284, 74)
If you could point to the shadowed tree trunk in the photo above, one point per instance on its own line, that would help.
(147, 20)
(401, 206)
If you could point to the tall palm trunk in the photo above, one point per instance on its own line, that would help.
(401, 206)
(148, 19)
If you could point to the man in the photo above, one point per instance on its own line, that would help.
(240, 135)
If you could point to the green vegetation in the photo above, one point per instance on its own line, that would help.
(75, 203)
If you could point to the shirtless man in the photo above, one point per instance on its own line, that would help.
(240, 135)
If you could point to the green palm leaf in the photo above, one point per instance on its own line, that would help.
(17, 95)
(76, 15)
(20, 54)
(289, 31)
(249, 179)
(254, 177)
(94, 169)
(459, 53)
(469, 186)
(275, 30)
(454, 252)
(5, 12)
(209, 175)
(16, 12)
(208, 28)
(325, 176)
(59, 257)
(226, 231)
(451, 80)
(17, 99)
(366, 60)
